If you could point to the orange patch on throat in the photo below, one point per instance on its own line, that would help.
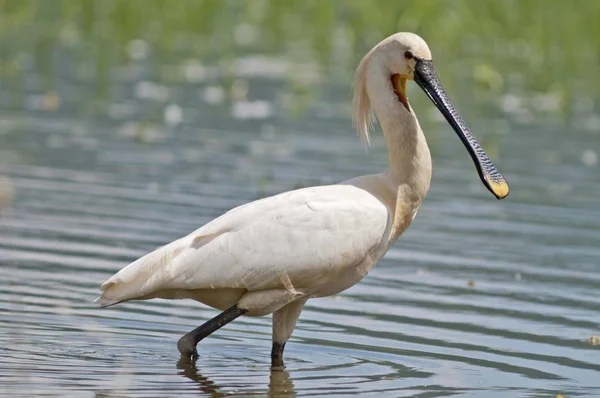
(399, 86)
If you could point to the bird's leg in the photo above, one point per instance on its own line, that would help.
(284, 322)
(187, 344)
(277, 356)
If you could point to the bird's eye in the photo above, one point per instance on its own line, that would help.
(408, 55)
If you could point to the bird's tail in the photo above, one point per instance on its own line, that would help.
(140, 278)
(104, 302)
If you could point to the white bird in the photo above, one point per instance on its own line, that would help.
(272, 255)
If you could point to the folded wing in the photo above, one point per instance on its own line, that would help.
(300, 238)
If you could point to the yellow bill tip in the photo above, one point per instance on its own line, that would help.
(498, 187)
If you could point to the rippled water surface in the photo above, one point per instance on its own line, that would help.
(480, 298)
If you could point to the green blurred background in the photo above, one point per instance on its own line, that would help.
(527, 47)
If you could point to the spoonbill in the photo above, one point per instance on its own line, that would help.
(271, 255)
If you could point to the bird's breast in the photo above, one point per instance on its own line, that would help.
(348, 276)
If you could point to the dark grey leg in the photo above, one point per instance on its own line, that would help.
(187, 344)
(277, 355)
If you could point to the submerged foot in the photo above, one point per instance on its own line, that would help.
(277, 364)
(187, 347)
(277, 356)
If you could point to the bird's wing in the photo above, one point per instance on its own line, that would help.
(297, 238)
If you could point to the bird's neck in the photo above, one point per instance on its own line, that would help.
(408, 154)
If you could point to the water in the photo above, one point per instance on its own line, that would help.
(478, 298)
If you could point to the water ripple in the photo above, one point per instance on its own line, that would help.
(479, 298)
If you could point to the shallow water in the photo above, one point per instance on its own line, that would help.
(479, 298)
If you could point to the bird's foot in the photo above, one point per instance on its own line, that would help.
(277, 356)
(277, 364)
(187, 348)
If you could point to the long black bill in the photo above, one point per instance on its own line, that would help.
(427, 79)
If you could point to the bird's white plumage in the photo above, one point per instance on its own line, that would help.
(299, 240)
(271, 255)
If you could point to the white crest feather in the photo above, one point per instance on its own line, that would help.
(362, 114)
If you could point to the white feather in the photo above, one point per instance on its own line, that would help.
(300, 239)
(362, 114)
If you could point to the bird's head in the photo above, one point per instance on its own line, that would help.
(405, 56)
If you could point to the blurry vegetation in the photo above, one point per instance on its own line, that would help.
(494, 46)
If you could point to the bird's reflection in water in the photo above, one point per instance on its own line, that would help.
(188, 369)
(280, 384)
